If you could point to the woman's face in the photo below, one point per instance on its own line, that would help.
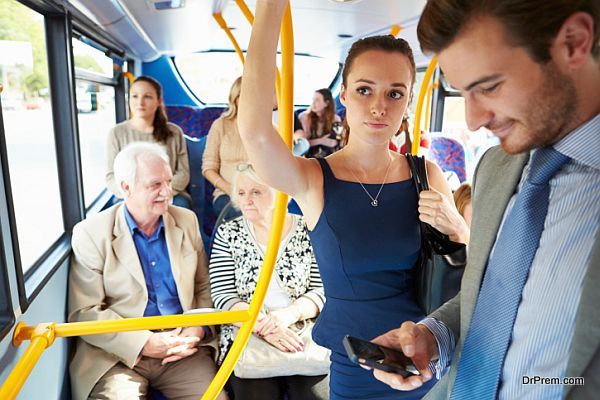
(143, 100)
(254, 199)
(318, 103)
(379, 89)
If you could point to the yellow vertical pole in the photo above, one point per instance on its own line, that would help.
(13, 384)
(428, 106)
(285, 97)
(420, 101)
(42, 337)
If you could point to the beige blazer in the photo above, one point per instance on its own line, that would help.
(106, 282)
(497, 177)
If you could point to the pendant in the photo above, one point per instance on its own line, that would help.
(374, 203)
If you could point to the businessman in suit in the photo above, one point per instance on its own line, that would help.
(528, 314)
(143, 257)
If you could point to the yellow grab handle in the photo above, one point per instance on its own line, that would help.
(285, 96)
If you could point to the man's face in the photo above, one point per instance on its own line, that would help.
(526, 104)
(150, 196)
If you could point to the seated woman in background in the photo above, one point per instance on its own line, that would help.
(224, 150)
(149, 124)
(462, 199)
(402, 142)
(321, 125)
(295, 292)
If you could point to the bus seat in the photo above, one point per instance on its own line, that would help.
(208, 116)
(199, 188)
(449, 155)
(194, 121)
(187, 118)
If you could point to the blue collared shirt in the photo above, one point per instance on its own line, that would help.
(543, 329)
(153, 253)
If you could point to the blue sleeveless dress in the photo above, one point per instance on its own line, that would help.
(365, 256)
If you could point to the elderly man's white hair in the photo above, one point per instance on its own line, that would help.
(126, 162)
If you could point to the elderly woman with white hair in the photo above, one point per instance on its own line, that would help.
(295, 292)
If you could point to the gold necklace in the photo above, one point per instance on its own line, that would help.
(374, 200)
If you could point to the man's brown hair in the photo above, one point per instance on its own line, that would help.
(530, 24)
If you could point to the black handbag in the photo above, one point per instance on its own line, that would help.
(442, 261)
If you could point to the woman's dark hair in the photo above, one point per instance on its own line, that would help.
(328, 115)
(385, 43)
(161, 130)
(531, 24)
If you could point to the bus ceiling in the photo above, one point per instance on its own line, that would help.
(157, 27)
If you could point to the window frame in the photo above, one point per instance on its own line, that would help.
(118, 84)
(59, 25)
(7, 316)
(333, 84)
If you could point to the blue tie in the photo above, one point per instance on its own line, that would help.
(491, 327)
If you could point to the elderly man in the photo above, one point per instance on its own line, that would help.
(143, 257)
(526, 324)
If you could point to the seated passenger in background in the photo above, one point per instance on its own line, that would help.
(462, 199)
(402, 141)
(321, 125)
(224, 150)
(295, 292)
(139, 258)
(149, 124)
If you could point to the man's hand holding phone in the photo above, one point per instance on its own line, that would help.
(416, 342)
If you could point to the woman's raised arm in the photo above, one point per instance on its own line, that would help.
(268, 154)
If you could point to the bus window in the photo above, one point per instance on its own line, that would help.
(311, 73)
(29, 133)
(454, 125)
(95, 114)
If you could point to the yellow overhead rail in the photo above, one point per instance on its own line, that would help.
(129, 76)
(421, 99)
(395, 30)
(221, 21)
(42, 336)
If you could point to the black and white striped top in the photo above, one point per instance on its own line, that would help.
(235, 263)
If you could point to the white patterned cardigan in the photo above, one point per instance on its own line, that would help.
(235, 263)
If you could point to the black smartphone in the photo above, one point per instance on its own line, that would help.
(380, 357)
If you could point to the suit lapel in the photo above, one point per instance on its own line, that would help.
(495, 184)
(586, 337)
(125, 250)
(174, 237)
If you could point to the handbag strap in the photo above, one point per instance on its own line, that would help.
(418, 171)
(431, 238)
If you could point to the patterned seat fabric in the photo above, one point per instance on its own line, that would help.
(196, 123)
(449, 155)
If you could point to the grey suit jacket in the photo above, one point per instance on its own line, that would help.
(496, 180)
(106, 282)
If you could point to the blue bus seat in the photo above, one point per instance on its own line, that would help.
(449, 154)
(199, 188)
(195, 123)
